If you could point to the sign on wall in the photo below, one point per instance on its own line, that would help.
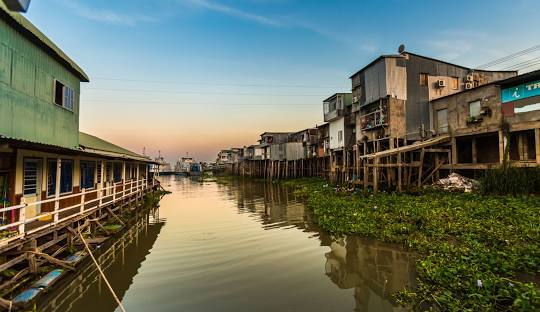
(522, 91)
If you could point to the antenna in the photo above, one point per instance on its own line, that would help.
(401, 48)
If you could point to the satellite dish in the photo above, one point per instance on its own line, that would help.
(401, 48)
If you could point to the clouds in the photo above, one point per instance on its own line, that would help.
(235, 12)
(105, 15)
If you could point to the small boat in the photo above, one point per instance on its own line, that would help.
(195, 169)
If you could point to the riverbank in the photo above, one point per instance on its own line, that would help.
(475, 252)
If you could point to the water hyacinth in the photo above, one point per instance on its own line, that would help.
(471, 248)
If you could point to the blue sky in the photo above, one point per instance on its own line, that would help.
(200, 75)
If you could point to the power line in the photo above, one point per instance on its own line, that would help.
(218, 83)
(524, 64)
(509, 57)
(213, 104)
(201, 92)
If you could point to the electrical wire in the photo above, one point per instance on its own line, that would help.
(509, 57)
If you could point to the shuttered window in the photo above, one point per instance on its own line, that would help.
(99, 172)
(30, 176)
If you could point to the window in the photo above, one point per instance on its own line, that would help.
(66, 177)
(108, 169)
(88, 170)
(442, 121)
(340, 135)
(31, 177)
(474, 109)
(117, 172)
(423, 79)
(326, 107)
(455, 83)
(99, 172)
(63, 95)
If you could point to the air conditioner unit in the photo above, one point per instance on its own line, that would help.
(469, 85)
(470, 78)
(441, 83)
(355, 99)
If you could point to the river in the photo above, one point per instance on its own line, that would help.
(238, 246)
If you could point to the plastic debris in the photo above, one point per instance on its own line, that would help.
(456, 182)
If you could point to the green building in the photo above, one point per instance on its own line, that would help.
(39, 86)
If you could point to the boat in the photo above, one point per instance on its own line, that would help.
(195, 169)
(183, 166)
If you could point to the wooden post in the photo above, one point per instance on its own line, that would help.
(399, 171)
(138, 178)
(57, 189)
(101, 181)
(501, 147)
(83, 191)
(537, 145)
(421, 167)
(474, 151)
(22, 215)
(376, 175)
(454, 152)
(123, 179)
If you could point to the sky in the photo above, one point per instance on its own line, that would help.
(198, 76)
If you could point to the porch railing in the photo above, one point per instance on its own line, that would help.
(101, 197)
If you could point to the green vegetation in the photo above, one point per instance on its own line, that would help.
(511, 181)
(473, 250)
(151, 199)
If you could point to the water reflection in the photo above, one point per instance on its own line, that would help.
(235, 247)
(120, 260)
(375, 270)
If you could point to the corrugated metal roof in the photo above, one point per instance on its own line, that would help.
(38, 143)
(88, 144)
(93, 144)
(25, 27)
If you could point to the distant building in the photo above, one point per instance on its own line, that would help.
(270, 143)
(338, 114)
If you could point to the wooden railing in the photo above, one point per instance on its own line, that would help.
(101, 197)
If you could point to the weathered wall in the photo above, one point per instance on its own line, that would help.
(336, 126)
(27, 109)
(294, 150)
(458, 110)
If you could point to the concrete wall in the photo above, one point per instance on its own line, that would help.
(27, 109)
(336, 126)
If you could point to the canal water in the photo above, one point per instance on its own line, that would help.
(238, 246)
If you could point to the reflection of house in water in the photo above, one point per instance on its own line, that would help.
(375, 271)
(120, 261)
(277, 206)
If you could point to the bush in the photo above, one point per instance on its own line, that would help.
(511, 181)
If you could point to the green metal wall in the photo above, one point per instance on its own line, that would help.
(27, 109)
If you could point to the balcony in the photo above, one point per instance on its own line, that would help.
(375, 119)
(78, 205)
(333, 115)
